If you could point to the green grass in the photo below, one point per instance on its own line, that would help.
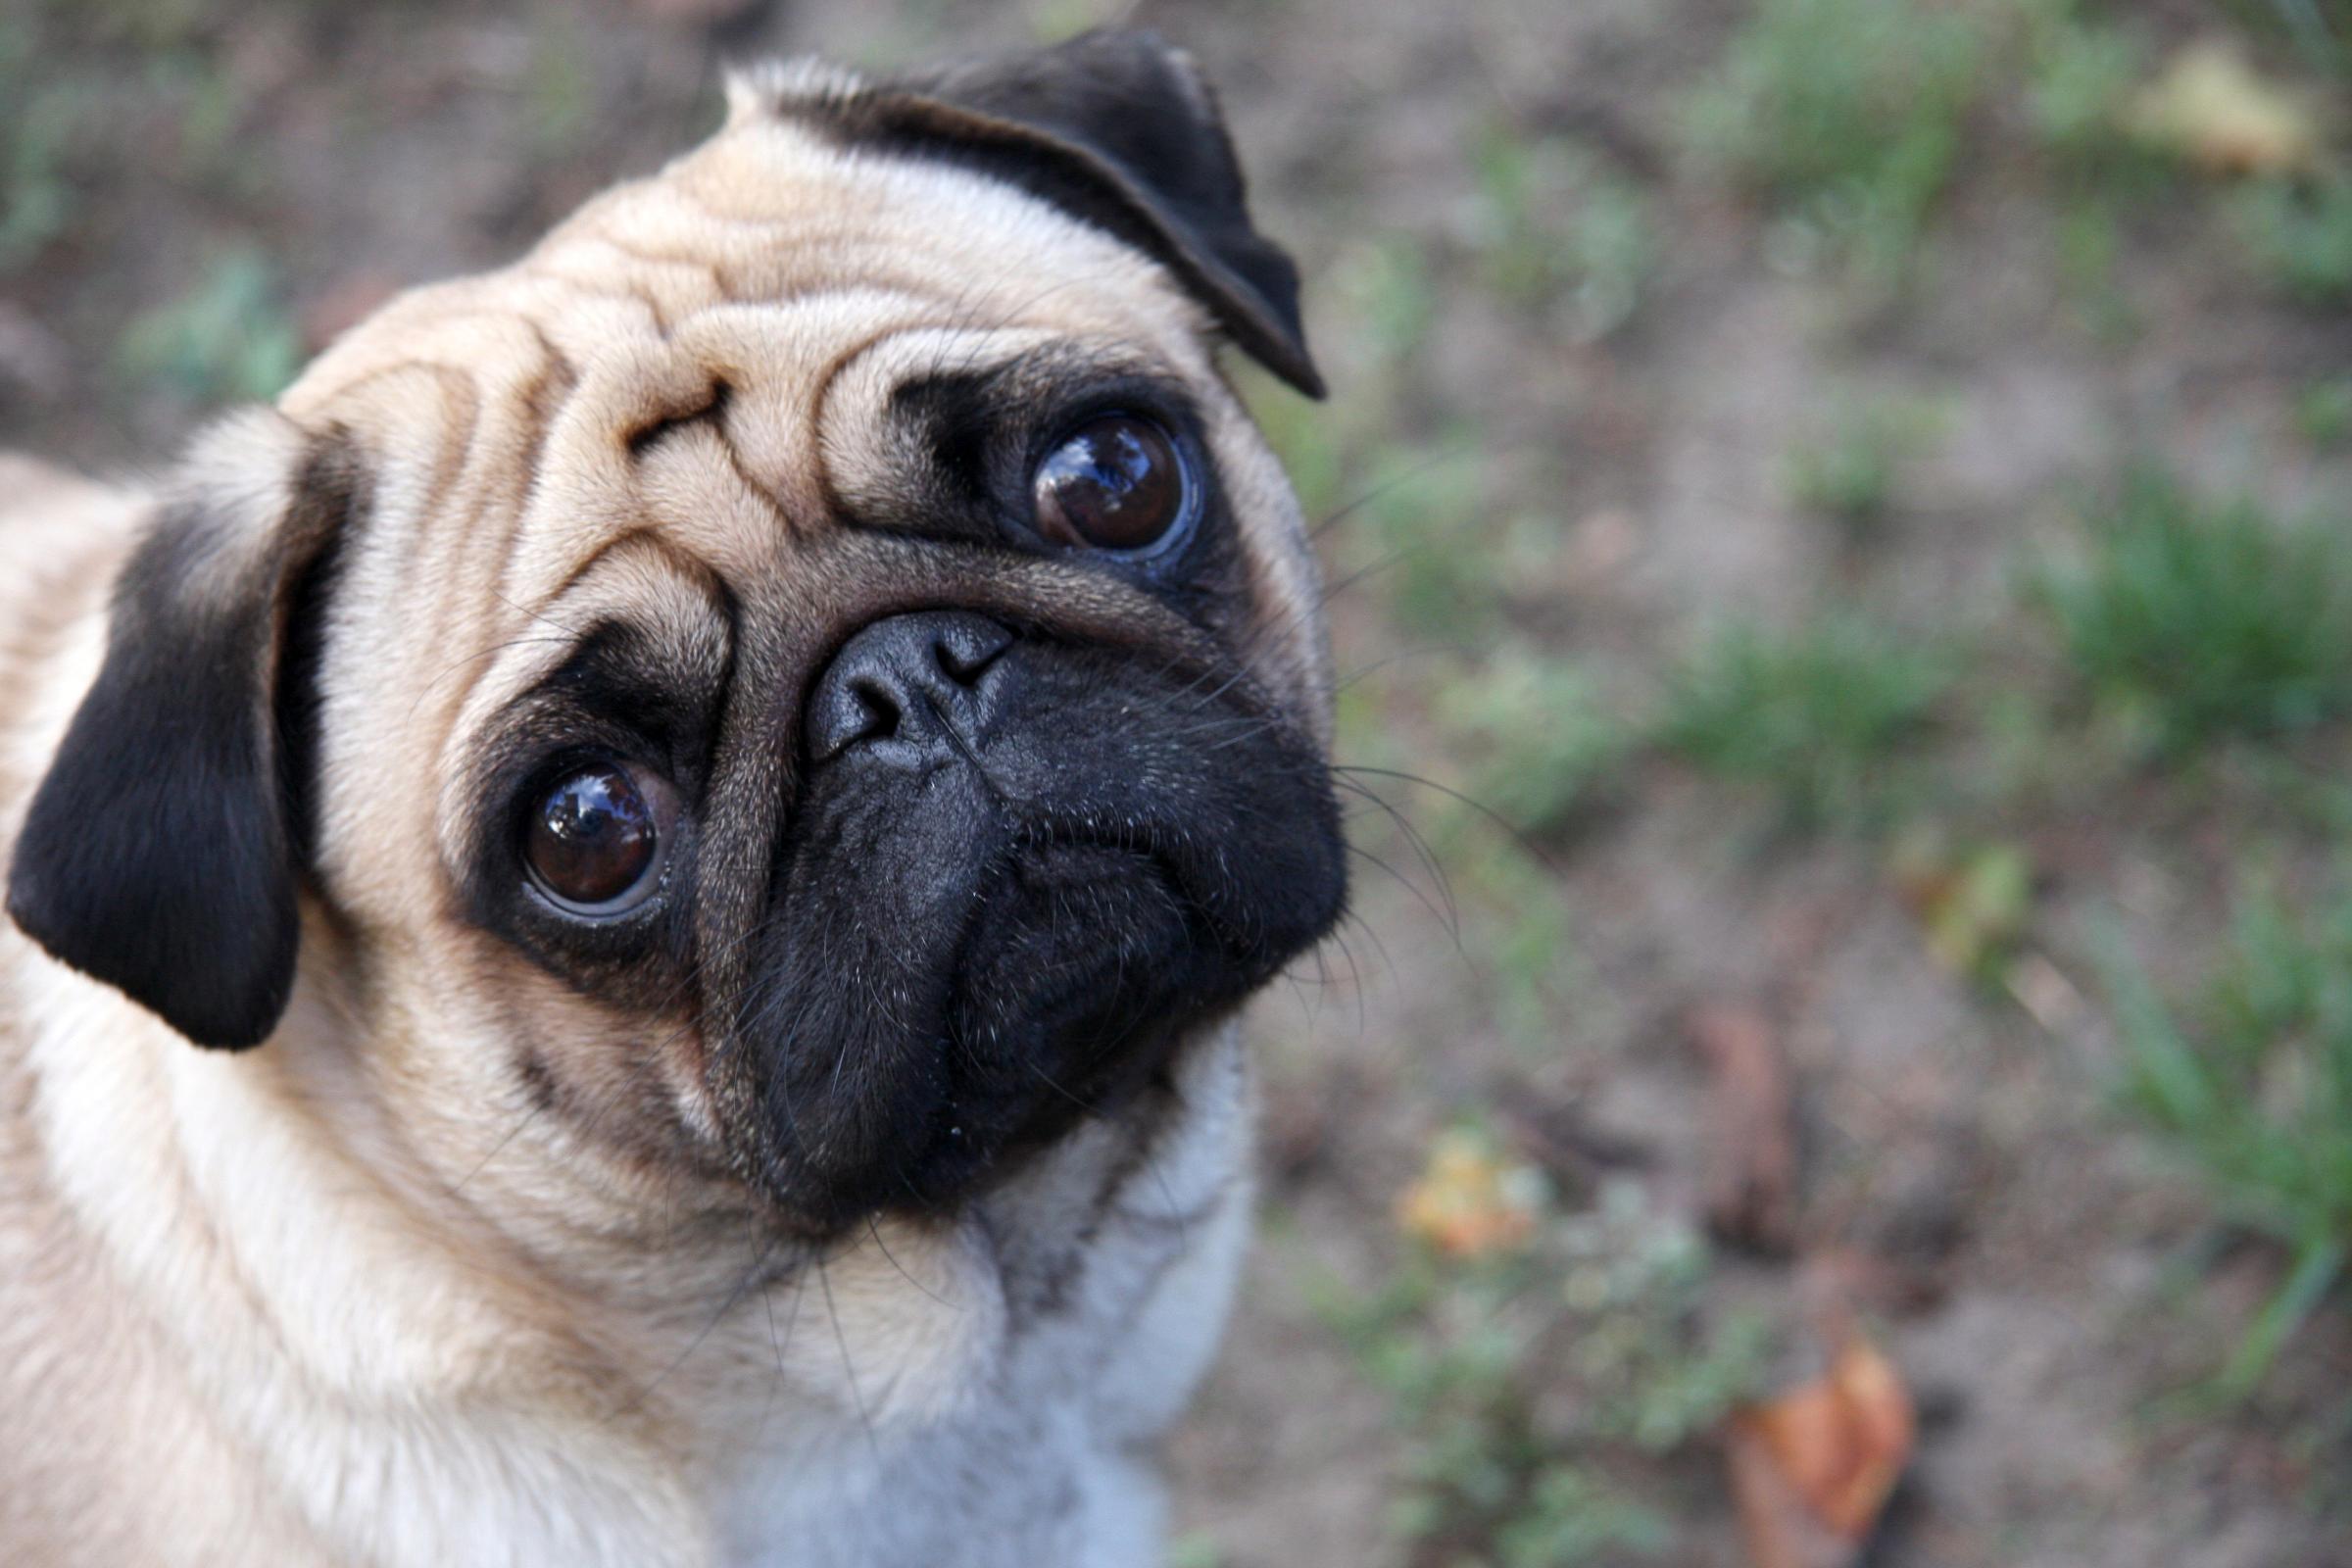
(1611, 1303)
(1540, 740)
(210, 107)
(37, 133)
(1849, 116)
(1817, 717)
(229, 339)
(1518, 932)
(1551, 228)
(2324, 412)
(1425, 540)
(1310, 439)
(2318, 28)
(1852, 472)
(1388, 294)
(2250, 1084)
(2083, 72)
(2298, 234)
(2080, 74)
(2198, 619)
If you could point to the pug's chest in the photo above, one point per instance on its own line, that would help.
(1040, 1455)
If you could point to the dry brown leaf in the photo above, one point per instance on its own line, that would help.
(1813, 1468)
(2215, 110)
(1751, 1195)
(1469, 1201)
(1778, 1529)
(1972, 903)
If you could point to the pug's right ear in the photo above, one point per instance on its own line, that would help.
(1114, 127)
(162, 851)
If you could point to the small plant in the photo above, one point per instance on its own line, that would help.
(2251, 1084)
(1847, 115)
(1816, 716)
(1550, 227)
(1428, 537)
(228, 339)
(1536, 1361)
(2322, 42)
(1516, 927)
(35, 133)
(1851, 473)
(2198, 619)
(2299, 233)
(1310, 440)
(2082, 76)
(2091, 244)
(2324, 412)
(1973, 901)
(1385, 291)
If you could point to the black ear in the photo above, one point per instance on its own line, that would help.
(1118, 128)
(161, 854)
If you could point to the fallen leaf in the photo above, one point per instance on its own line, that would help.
(1779, 1530)
(1470, 1201)
(1750, 1181)
(2215, 110)
(1812, 1469)
(1972, 906)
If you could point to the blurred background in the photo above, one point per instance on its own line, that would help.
(1838, 516)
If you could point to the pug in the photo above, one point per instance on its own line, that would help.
(628, 908)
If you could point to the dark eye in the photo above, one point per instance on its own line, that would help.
(1114, 483)
(593, 843)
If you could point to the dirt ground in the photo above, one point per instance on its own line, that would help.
(231, 183)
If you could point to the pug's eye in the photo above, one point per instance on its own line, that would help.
(1115, 484)
(593, 842)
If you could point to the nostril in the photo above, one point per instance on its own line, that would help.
(910, 680)
(966, 647)
(879, 707)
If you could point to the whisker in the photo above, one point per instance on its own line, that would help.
(1413, 836)
(727, 1306)
(875, 1231)
(849, 1367)
(1517, 835)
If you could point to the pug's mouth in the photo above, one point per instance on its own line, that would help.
(996, 923)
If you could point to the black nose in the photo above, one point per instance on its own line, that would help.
(909, 688)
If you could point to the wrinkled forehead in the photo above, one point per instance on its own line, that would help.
(796, 280)
(790, 281)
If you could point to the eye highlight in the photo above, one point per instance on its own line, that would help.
(1115, 484)
(593, 843)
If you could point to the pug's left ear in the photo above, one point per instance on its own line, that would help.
(162, 851)
(1114, 127)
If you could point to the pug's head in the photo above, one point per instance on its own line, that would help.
(807, 685)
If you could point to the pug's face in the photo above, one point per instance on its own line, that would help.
(805, 686)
